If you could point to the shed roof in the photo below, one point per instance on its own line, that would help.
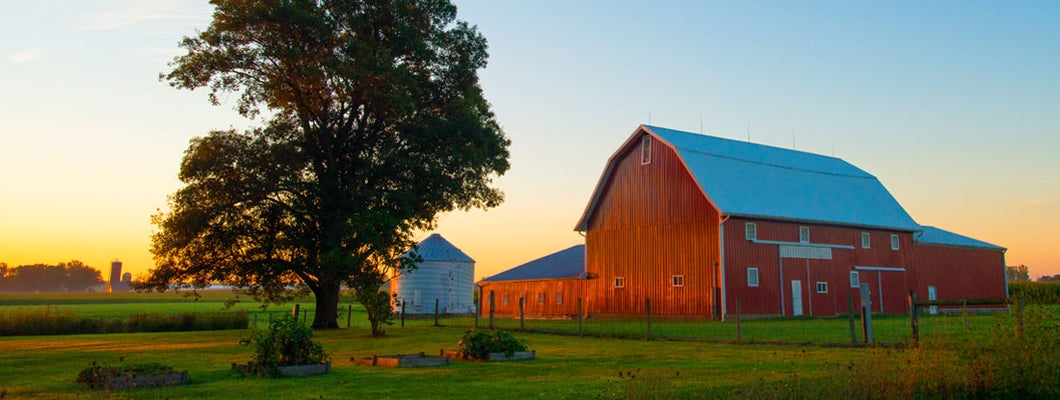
(568, 263)
(758, 181)
(936, 236)
(436, 248)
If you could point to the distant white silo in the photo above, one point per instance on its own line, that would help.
(445, 274)
(115, 275)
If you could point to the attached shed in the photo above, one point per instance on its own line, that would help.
(954, 267)
(445, 274)
(550, 286)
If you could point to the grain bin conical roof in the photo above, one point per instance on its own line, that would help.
(436, 248)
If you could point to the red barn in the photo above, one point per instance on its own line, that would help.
(693, 222)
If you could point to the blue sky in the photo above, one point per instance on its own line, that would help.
(952, 105)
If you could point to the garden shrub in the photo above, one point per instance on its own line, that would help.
(285, 342)
(479, 343)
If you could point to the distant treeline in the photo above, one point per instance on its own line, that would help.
(73, 276)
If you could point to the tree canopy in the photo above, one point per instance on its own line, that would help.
(376, 123)
(73, 276)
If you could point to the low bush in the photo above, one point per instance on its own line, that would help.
(479, 343)
(49, 321)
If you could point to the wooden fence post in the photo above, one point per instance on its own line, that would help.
(295, 311)
(850, 316)
(436, 313)
(647, 308)
(349, 314)
(402, 314)
(522, 314)
(580, 316)
(492, 308)
(964, 311)
(913, 321)
(738, 315)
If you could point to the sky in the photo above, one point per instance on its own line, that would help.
(953, 105)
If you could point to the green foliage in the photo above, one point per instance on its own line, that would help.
(1035, 292)
(285, 342)
(49, 321)
(1018, 273)
(379, 308)
(641, 385)
(99, 376)
(479, 343)
(378, 124)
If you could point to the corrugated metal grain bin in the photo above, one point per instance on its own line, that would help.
(445, 274)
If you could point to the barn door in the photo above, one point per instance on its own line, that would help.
(796, 298)
(933, 295)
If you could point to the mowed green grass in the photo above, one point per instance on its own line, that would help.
(567, 367)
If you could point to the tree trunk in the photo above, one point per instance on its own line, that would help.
(327, 312)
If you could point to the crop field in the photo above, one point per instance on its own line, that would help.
(688, 359)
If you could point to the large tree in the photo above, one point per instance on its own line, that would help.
(376, 123)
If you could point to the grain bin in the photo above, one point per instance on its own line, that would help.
(445, 274)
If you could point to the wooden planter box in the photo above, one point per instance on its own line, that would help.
(148, 380)
(519, 355)
(403, 360)
(283, 370)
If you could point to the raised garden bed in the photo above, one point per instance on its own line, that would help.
(403, 360)
(148, 380)
(252, 368)
(519, 355)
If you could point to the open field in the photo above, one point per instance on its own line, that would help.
(691, 359)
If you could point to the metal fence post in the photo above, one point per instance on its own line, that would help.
(349, 314)
(402, 314)
(436, 313)
(914, 322)
(492, 308)
(522, 313)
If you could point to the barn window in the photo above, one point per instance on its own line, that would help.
(855, 280)
(540, 297)
(645, 150)
(620, 282)
(678, 280)
(865, 242)
(504, 298)
(750, 231)
(894, 242)
(752, 277)
(804, 234)
(822, 287)
(559, 297)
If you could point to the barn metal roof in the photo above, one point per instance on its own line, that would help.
(436, 248)
(569, 263)
(759, 181)
(933, 235)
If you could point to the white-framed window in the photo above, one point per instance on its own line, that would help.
(894, 242)
(822, 287)
(504, 299)
(559, 297)
(677, 280)
(804, 234)
(620, 282)
(645, 150)
(750, 231)
(540, 297)
(855, 280)
(866, 241)
(752, 276)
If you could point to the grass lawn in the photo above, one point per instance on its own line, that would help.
(567, 367)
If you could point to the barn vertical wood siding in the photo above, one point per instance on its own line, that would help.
(652, 223)
(570, 290)
(960, 273)
(771, 293)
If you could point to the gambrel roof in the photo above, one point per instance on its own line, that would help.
(568, 263)
(751, 180)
